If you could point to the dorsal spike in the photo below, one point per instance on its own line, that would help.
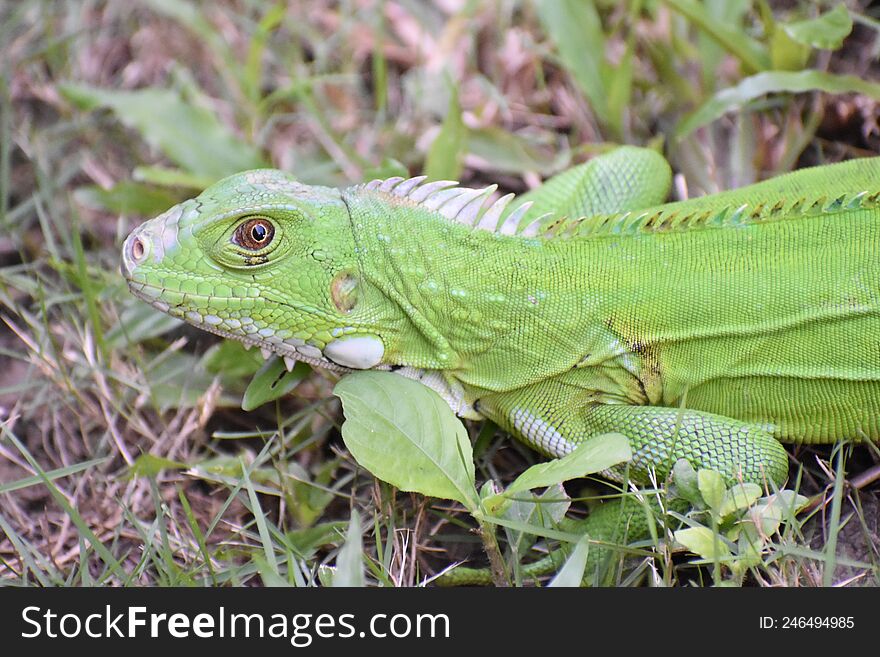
(404, 188)
(513, 219)
(534, 228)
(468, 199)
(389, 183)
(856, 201)
(437, 199)
(422, 192)
(489, 220)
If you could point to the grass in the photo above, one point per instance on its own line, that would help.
(125, 458)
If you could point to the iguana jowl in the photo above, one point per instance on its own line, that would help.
(708, 329)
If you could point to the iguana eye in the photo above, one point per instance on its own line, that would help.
(254, 234)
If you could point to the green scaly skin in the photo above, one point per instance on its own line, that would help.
(708, 329)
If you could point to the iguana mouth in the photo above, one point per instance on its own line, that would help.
(243, 329)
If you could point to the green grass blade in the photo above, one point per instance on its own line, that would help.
(733, 39)
(774, 82)
(575, 29)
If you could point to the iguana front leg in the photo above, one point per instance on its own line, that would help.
(553, 418)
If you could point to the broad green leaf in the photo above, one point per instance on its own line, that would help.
(685, 478)
(827, 31)
(150, 465)
(503, 151)
(177, 381)
(272, 381)
(572, 572)
(544, 511)
(594, 455)
(269, 577)
(139, 321)
(748, 553)
(575, 29)
(445, 156)
(774, 82)
(189, 135)
(405, 434)
(732, 38)
(232, 359)
(704, 542)
(787, 54)
(127, 198)
(712, 488)
(307, 496)
(738, 497)
(387, 168)
(350, 560)
(165, 177)
(769, 513)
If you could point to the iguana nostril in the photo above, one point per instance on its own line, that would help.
(138, 251)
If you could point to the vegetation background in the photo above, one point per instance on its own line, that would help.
(125, 457)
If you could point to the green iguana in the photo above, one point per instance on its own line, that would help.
(709, 329)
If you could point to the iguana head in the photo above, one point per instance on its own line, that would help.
(263, 259)
(376, 275)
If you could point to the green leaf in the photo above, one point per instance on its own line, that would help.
(272, 381)
(704, 542)
(350, 560)
(139, 321)
(189, 135)
(787, 54)
(388, 168)
(165, 177)
(748, 553)
(231, 359)
(594, 455)
(738, 497)
(445, 156)
(306, 541)
(127, 198)
(773, 82)
(545, 511)
(575, 29)
(572, 572)
(827, 31)
(732, 38)
(712, 488)
(150, 465)
(505, 152)
(686, 486)
(178, 381)
(405, 434)
(769, 513)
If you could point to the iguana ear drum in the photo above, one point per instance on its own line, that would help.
(344, 291)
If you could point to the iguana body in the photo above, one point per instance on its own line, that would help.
(707, 329)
